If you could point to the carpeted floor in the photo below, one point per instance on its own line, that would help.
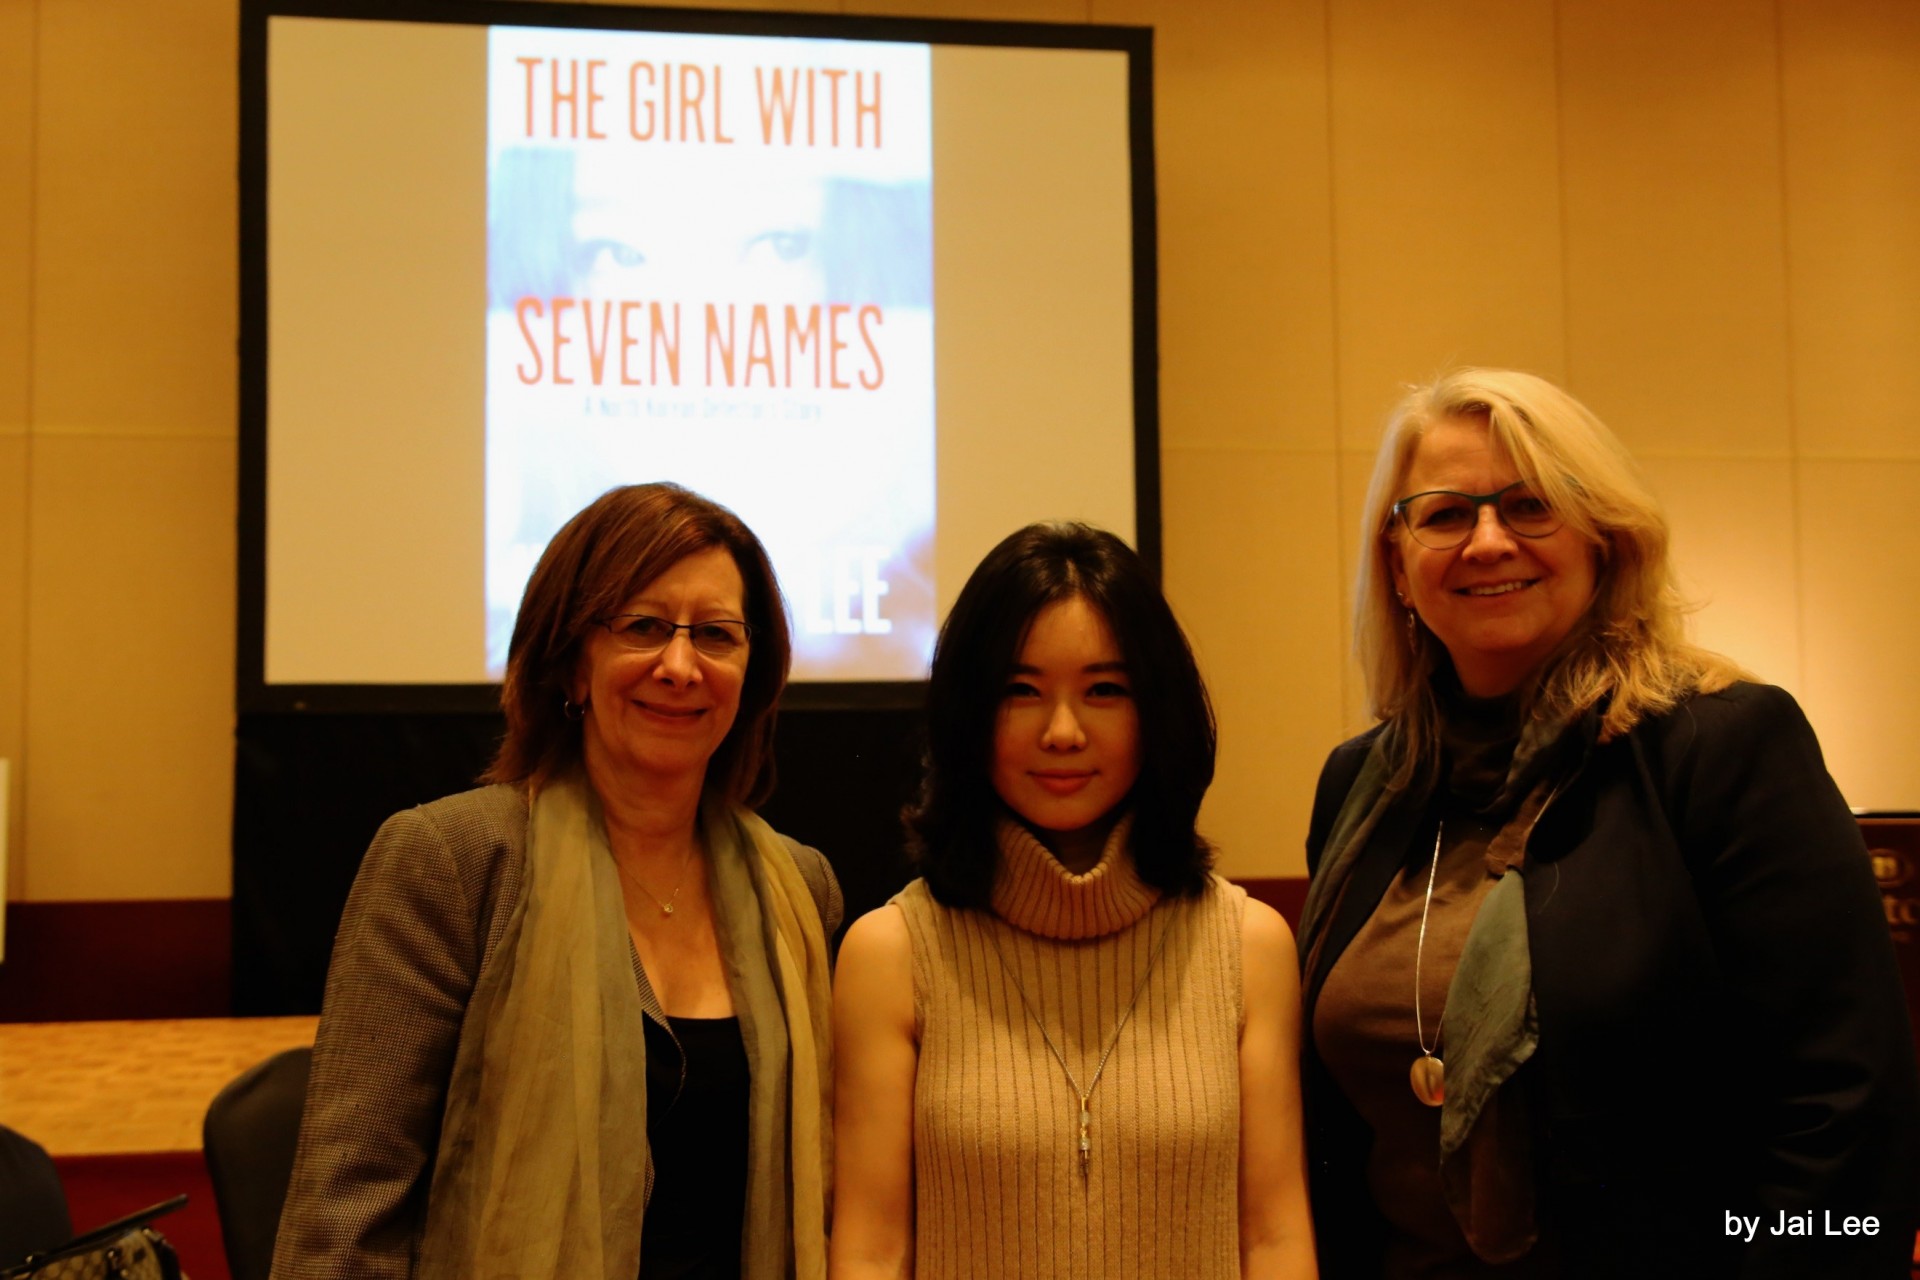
(119, 1107)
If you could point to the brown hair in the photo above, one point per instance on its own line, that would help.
(598, 561)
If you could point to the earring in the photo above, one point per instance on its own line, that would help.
(1413, 623)
(573, 710)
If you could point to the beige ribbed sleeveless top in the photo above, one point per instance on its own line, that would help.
(998, 1189)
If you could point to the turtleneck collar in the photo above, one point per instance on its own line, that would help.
(1032, 891)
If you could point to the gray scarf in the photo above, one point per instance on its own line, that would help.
(542, 1168)
(1489, 1026)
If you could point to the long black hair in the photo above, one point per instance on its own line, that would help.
(950, 827)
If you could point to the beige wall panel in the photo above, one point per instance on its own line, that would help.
(1676, 289)
(1737, 552)
(1355, 469)
(1254, 583)
(135, 313)
(17, 50)
(1246, 233)
(18, 21)
(1862, 608)
(15, 457)
(129, 748)
(1446, 196)
(1851, 103)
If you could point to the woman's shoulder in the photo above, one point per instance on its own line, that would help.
(916, 913)
(1740, 754)
(1218, 891)
(915, 901)
(497, 812)
(915, 890)
(882, 932)
(1739, 715)
(1348, 755)
(1337, 777)
(1259, 924)
(1343, 765)
(480, 836)
(817, 871)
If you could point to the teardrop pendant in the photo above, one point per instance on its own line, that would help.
(1429, 1076)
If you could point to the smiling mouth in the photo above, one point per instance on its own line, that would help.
(672, 713)
(1497, 588)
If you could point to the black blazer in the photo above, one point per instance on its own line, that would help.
(1722, 1028)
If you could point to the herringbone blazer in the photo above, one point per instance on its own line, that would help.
(428, 908)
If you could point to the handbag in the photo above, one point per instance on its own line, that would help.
(127, 1249)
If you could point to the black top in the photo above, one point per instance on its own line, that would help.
(698, 1133)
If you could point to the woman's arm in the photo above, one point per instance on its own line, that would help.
(1276, 1231)
(403, 966)
(875, 1052)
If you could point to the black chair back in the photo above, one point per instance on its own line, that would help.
(249, 1136)
(33, 1204)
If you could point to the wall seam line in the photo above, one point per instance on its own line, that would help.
(18, 856)
(1343, 616)
(1795, 501)
(1560, 188)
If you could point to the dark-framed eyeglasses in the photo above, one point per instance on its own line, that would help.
(1442, 519)
(644, 633)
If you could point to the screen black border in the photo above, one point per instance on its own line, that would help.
(252, 692)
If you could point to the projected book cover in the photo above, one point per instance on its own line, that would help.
(710, 261)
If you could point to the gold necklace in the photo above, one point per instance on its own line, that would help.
(1429, 1074)
(1084, 1095)
(666, 907)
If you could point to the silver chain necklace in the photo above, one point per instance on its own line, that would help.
(1429, 1074)
(666, 907)
(1085, 1095)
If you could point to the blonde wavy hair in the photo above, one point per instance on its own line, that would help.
(1629, 655)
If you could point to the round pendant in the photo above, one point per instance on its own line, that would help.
(1429, 1076)
(666, 909)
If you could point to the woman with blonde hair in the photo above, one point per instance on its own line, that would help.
(1595, 975)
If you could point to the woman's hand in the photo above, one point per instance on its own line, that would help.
(1276, 1231)
(875, 1051)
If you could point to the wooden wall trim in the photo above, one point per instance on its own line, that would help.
(88, 961)
(1285, 894)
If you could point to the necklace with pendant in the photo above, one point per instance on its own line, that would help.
(1429, 1074)
(666, 905)
(1085, 1096)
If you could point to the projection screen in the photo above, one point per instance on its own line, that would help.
(885, 288)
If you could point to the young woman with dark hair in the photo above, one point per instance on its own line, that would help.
(1093, 1071)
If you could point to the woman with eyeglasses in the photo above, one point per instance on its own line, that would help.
(576, 1021)
(1069, 1051)
(1596, 976)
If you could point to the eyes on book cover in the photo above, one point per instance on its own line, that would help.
(710, 260)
